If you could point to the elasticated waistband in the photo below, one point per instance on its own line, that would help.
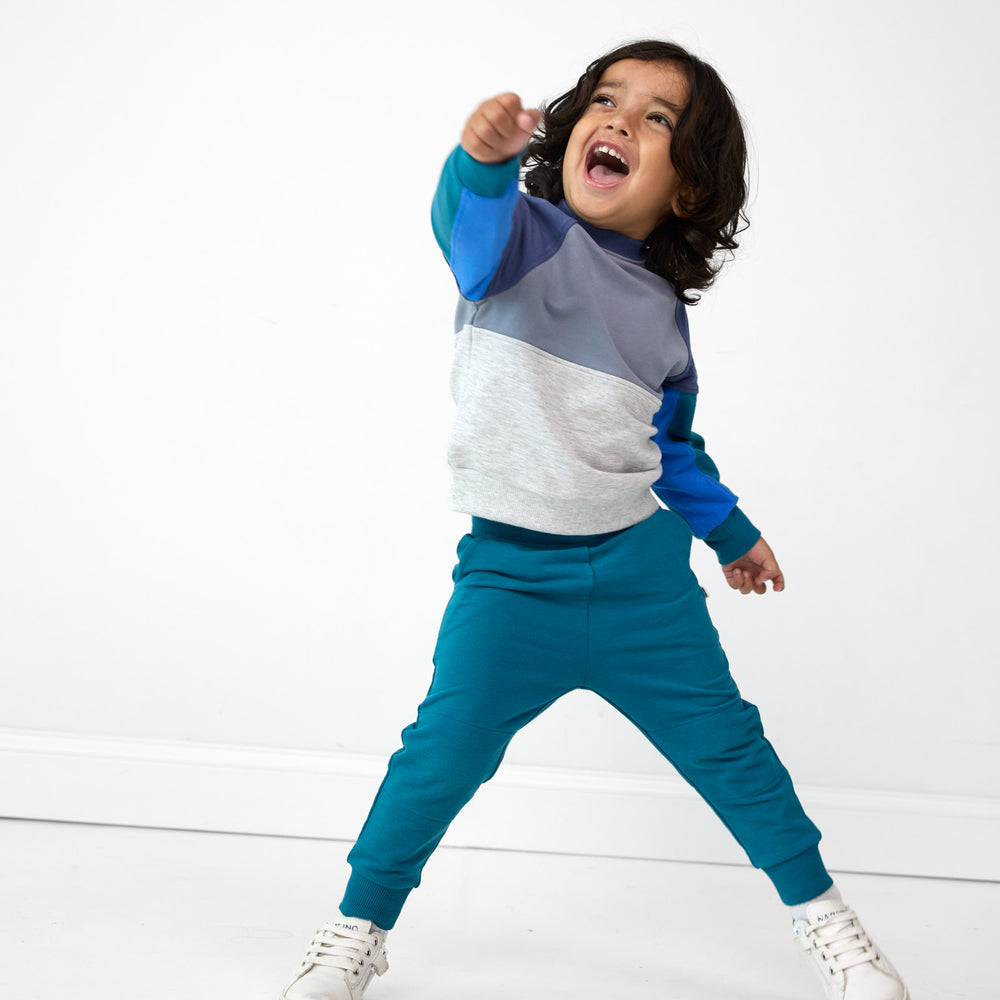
(484, 528)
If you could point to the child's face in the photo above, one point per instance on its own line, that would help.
(617, 172)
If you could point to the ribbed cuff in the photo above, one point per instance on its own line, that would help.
(734, 538)
(490, 180)
(802, 878)
(368, 900)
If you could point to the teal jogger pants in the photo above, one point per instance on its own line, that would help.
(534, 616)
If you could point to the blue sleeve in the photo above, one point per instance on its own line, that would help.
(472, 218)
(689, 481)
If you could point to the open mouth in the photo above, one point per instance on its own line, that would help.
(606, 166)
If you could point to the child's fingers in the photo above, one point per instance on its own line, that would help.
(528, 120)
(498, 129)
(747, 582)
(506, 113)
(504, 106)
(497, 121)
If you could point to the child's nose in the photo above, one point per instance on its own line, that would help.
(619, 123)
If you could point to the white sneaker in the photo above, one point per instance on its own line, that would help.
(340, 962)
(844, 957)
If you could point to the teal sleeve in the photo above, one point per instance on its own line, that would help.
(734, 538)
(471, 217)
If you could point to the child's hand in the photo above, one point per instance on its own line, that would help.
(752, 571)
(499, 129)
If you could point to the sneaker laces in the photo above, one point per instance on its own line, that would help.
(842, 941)
(346, 947)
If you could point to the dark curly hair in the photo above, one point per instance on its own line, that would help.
(708, 150)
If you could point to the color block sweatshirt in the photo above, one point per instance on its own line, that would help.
(573, 376)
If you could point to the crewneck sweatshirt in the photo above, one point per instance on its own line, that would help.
(573, 376)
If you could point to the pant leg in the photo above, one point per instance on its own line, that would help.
(656, 657)
(512, 640)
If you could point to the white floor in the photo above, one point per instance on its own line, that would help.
(90, 912)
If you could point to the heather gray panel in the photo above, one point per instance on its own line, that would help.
(546, 443)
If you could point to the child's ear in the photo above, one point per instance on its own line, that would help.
(684, 201)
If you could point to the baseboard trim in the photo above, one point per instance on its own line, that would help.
(261, 790)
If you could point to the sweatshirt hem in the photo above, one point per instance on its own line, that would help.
(479, 496)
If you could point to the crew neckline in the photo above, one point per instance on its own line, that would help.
(608, 239)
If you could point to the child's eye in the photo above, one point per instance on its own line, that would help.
(602, 99)
(661, 120)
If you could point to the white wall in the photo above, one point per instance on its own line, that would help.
(224, 350)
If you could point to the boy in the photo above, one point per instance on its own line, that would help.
(575, 391)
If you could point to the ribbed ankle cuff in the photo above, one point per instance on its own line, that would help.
(800, 879)
(370, 901)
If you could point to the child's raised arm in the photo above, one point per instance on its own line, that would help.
(498, 129)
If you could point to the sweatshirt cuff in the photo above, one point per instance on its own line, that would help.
(734, 538)
(489, 180)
